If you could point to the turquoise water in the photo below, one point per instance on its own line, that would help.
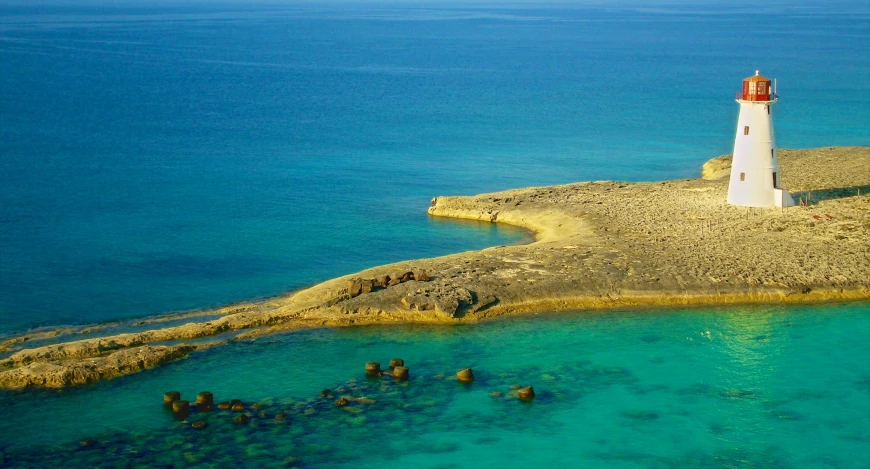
(162, 156)
(759, 387)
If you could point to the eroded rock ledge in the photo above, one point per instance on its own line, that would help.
(601, 244)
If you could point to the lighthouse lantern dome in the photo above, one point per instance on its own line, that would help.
(756, 88)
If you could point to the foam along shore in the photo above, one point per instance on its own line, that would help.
(601, 244)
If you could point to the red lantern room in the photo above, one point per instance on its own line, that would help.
(756, 88)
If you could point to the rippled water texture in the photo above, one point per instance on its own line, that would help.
(731, 387)
(163, 155)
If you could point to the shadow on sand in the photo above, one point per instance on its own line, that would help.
(814, 197)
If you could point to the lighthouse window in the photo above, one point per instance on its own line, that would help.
(742, 176)
(746, 130)
(768, 110)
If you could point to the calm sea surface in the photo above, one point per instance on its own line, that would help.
(162, 156)
(165, 156)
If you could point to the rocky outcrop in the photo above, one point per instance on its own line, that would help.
(602, 244)
(360, 286)
(447, 300)
(59, 374)
(716, 168)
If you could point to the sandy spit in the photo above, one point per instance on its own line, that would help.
(599, 245)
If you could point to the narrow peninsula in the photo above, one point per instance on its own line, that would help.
(598, 245)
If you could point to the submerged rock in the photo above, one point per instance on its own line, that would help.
(736, 394)
(641, 415)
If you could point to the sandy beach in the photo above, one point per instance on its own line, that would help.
(598, 245)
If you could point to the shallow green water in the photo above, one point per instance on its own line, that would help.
(729, 387)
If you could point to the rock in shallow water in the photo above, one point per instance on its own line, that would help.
(465, 375)
(373, 369)
(526, 394)
(170, 397)
(204, 401)
(401, 373)
(181, 409)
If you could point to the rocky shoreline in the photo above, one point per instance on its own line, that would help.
(600, 244)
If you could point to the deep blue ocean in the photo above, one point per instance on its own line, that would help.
(166, 156)
(159, 156)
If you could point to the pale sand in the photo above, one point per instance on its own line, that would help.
(598, 245)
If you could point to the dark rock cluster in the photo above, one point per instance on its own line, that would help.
(314, 433)
(359, 286)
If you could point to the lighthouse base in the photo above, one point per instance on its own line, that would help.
(776, 197)
(781, 198)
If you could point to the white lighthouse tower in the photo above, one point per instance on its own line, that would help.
(754, 172)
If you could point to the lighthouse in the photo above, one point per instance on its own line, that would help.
(754, 173)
